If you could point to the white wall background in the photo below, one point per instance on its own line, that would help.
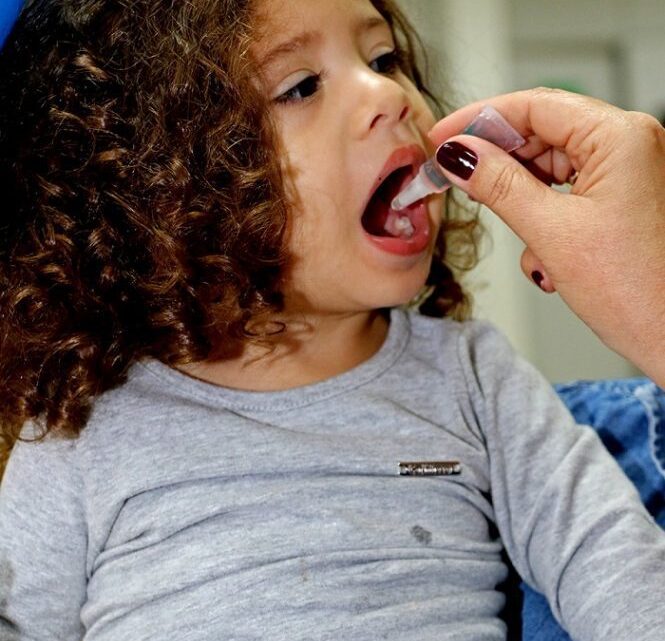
(612, 49)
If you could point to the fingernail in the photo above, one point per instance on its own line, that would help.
(537, 278)
(457, 159)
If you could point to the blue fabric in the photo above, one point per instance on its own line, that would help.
(629, 416)
(9, 10)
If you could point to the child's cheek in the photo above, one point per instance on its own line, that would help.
(422, 114)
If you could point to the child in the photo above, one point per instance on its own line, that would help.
(246, 436)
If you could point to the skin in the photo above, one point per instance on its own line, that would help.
(341, 107)
(601, 246)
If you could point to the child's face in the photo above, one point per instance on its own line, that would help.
(347, 117)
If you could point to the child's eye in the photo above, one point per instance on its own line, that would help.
(387, 63)
(301, 91)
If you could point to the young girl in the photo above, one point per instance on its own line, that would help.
(229, 426)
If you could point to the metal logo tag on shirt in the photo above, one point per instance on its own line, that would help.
(430, 468)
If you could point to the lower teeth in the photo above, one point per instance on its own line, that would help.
(400, 226)
(404, 226)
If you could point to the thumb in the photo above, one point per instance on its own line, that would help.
(492, 177)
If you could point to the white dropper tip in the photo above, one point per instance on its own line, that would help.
(418, 188)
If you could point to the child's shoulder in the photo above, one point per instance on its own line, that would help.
(472, 350)
(113, 407)
(470, 338)
(140, 405)
(140, 401)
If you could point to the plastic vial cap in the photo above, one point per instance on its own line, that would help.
(418, 188)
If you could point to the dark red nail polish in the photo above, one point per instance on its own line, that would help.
(457, 159)
(537, 278)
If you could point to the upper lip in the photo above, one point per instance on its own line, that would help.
(407, 156)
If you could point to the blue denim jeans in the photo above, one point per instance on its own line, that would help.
(9, 10)
(629, 416)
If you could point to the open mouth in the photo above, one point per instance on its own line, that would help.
(379, 219)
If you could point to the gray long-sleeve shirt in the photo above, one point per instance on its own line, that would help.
(192, 512)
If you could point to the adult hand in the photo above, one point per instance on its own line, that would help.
(601, 246)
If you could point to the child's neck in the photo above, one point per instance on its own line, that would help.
(310, 352)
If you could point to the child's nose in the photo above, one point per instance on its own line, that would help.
(383, 102)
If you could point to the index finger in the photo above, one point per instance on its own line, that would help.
(551, 114)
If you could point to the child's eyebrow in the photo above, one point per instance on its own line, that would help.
(307, 38)
(300, 41)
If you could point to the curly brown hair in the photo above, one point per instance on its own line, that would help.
(145, 214)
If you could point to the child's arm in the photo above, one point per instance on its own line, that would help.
(572, 523)
(42, 544)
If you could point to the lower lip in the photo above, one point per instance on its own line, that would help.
(407, 246)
